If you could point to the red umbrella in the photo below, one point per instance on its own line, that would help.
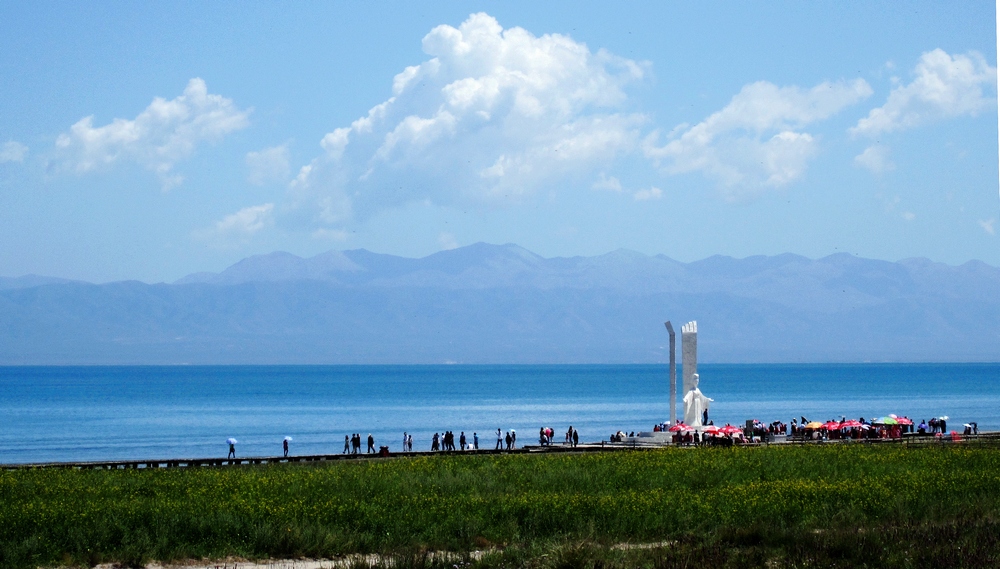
(680, 427)
(832, 425)
(711, 429)
(730, 430)
(850, 423)
(904, 421)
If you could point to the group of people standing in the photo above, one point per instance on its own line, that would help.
(934, 426)
(446, 442)
(352, 444)
(545, 435)
(510, 440)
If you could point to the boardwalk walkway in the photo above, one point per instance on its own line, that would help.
(982, 439)
(254, 460)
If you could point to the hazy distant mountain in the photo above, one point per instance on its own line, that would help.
(501, 303)
(28, 281)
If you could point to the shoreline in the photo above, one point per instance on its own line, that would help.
(632, 444)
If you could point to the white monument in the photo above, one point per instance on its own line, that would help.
(695, 404)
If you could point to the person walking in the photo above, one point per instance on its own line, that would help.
(461, 441)
(409, 443)
(513, 439)
(499, 439)
(371, 444)
(404, 441)
(434, 442)
(284, 447)
(507, 440)
(475, 441)
(232, 450)
(576, 438)
(347, 444)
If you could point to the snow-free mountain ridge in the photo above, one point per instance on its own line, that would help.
(504, 304)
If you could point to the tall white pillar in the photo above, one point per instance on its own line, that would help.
(689, 353)
(673, 371)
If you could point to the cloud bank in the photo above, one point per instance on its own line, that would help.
(13, 151)
(757, 140)
(491, 117)
(163, 134)
(944, 86)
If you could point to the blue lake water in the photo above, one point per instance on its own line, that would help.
(129, 412)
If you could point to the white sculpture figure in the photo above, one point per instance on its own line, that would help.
(695, 403)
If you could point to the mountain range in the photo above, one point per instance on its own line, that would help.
(504, 304)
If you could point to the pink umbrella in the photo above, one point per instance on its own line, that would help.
(730, 430)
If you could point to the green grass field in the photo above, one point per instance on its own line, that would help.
(829, 505)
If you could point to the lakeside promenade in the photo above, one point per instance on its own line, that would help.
(991, 438)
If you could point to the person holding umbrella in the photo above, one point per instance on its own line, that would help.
(232, 447)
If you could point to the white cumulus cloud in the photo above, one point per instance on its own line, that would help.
(757, 140)
(237, 228)
(648, 194)
(163, 134)
(13, 151)
(876, 159)
(607, 183)
(268, 165)
(490, 117)
(944, 86)
(987, 225)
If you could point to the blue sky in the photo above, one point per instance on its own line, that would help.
(149, 141)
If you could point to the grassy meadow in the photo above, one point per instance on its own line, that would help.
(796, 506)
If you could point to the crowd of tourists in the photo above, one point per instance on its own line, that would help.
(888, 427)
(447, 441)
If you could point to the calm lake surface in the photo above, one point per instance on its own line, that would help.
(132, 412)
